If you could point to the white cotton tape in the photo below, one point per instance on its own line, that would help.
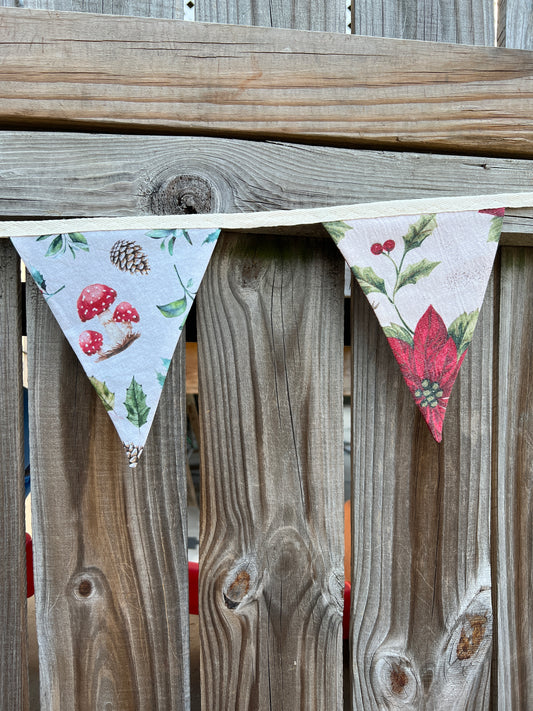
(274, 218)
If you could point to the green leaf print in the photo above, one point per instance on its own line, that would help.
(394, 330)
(60, 242)
(337, 230)
(414, 272)
(495, 229)
(211, 237)
(174, 308)
(104, 393)
(417, 233)
(368, 280)
(136, 404)
(462, 330)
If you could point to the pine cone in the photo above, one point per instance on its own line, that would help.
(129, 257)
(134, 452)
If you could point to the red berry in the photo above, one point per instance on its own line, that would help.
(389, 245)
(376, 248)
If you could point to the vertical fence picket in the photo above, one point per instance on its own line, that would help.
(13, 651)
(513, 554)
(110, 551)
(273, 452)
(421, 511)
(270, 357)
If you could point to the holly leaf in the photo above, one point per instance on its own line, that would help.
(174, 308)
(495, 229)
(136, 404)
(55, 246)
(368, 280)
(397, 331)
(462, 330)
(211, 237)
(414, 272)
(337, 230)
(104, 393)
(418, 232)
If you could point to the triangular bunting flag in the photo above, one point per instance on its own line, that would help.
(425, 276)
(121, 299)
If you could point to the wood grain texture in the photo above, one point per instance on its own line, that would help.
(513, 545)
(515, 24)
(13, 649)
(72, 69)
(456, 21)
(315, 15)
(271, 552)
(140, 8)
(110, 551)
(421, 530)
(271, 549)
(421, 574)
(64, 174)
(513, 495)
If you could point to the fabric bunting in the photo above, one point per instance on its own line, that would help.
(122, 296)
(425, 276)
(121, 299)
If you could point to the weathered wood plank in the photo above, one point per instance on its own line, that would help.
(465, 22)
(513, 500)
(72, 69)
(307, 14)
(270, 359)
(513, 545)
(13, 649)
(515, 24)
(140, 8)
(421, 595)
(65, 174)
(421, 513)
(270, 364)
(110, 561)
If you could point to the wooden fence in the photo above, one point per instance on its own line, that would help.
(442, 541)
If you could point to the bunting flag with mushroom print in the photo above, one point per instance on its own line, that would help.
(425, 276)
(121, 299)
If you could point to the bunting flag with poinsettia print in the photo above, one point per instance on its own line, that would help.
(121, 288)
(425, 276)
(121, 299)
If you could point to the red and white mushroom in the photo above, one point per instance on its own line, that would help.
(91, 342)
(127, 314)
(96, 300)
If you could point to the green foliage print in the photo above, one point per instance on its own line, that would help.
(75, 241)
(136, 404)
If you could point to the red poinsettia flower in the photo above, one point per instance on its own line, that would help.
(430, 367)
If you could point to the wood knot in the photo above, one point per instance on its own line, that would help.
(240, 583)
(182, 195)
(85, 588)
(398, 679)
(237, 590)
(395, 680)
(469, 643)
